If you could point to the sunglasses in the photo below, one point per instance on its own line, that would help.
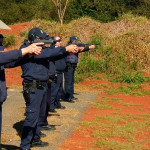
(58, 40)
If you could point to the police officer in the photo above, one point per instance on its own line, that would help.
(2, 72)
(6, 57)
(35, 76)
(56, 86)
(3, 93)
(46, 101)
(1, 43)
(72, 61)
(53, 86)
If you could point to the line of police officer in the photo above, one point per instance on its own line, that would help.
(40, 97)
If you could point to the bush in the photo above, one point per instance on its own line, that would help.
(132, 77)
(9, 41)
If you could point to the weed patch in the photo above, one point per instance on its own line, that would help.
(102, 106)
(134, 90)
(114, 132)
(107, 99)
(9, 40)
(127, 104)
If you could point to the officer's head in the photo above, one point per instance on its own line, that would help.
(36, 34)
(1, 39)
(73, 39)
(57, 41)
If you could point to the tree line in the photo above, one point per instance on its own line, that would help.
(14, 11)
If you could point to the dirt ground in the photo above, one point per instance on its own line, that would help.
(65, 121)
(136, 106)
(70, 134)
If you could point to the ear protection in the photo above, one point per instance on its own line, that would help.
(32, 37)
(54, 41)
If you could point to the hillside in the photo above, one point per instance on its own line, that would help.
(124, 44)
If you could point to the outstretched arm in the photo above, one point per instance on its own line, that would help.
(6, 57)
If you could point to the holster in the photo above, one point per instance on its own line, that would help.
(52, 78)
(30, 87)
(26, 93)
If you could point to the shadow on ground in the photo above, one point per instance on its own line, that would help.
(18, 126)
(9, 147)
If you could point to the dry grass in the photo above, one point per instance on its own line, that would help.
(129, 34)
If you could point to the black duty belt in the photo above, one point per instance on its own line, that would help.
(71, 64)
(35, 84)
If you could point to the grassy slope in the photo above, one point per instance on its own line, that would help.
(124, 44)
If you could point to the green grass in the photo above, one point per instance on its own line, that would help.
(119, 126)
(129, 90)
(141, 109)
(96, 77)
(9, 40)
(132, 77)
(104, 85)
(102, 106)
(118, 132)
(102, 103)
(88, 124)
(94, 86)
(123, 127)
(127, 104)
(108, 99)
(116, 145)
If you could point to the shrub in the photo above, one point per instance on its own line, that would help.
(132, 77)
(9, 41)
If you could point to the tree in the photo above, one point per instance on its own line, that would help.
(61, 11)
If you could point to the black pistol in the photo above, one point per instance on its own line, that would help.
(84, 44)
(44, 41)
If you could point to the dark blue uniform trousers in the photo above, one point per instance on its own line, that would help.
(0, 122)
(45, 107)
(3, 94)
(56, 92)
(69, 82)
(31, 127)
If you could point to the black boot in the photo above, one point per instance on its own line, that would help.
(39, 143)
(48, 127)
(69, 101)
(42, 134)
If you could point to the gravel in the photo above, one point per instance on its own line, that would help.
(65, 120)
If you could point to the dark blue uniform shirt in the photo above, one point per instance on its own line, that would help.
(37, 67)
(6, 57)
(3, 91)
(73, 58)
(59, 61)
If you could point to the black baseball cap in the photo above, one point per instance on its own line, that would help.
(47, 37)
(1, 36)
(73, 38)
(36, 32)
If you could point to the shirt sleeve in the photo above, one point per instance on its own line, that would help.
(48, 53)
(85, 49)
(6, 57)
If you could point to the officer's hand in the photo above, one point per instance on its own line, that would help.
(34, 48)
(81, 49)
(92, 47)
(72, 48)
